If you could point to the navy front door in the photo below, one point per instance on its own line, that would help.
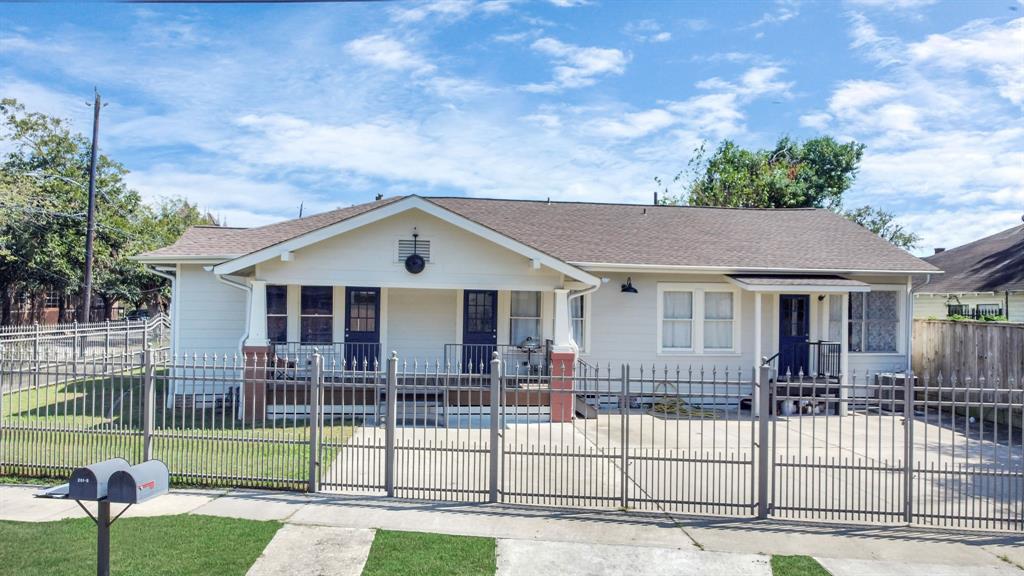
(794, 329)
(479, 329)
(362, 327)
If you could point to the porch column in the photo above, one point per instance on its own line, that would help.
(256, 355)
(844, 355)
(756, 404)
(563, 360)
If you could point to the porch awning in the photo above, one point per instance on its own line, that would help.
(788, 283)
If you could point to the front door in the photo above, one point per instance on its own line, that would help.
(479, 330)
(794, 329)
(362, 327)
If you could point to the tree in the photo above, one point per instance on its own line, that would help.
(814, 173)
(884, 224)
(43, 202)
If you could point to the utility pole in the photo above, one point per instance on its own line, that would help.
(83, 314)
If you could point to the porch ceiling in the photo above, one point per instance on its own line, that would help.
(788, 283)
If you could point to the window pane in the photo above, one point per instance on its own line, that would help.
(523, 329)
(277, 329)
(881, 305)
(576, 307)
(835, 318)
(881, 335)
(678, 305)
(577, 332)
(718, 305)
(277, 299)
(316, 329)
(676, 334)
(526, 304)
(856, 306)
(856, 336)
(718, 334)
(317, 300)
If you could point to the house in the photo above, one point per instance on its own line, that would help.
(982, 278)
(546, 283)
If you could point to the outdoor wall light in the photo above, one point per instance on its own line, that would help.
(628, 286)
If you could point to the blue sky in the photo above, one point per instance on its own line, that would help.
(251, 110)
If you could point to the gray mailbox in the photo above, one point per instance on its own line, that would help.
(139, 483)
(90, 482)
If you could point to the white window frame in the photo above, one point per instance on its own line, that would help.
(697, 336)
(276, 315)
(586, 323)
(539, 318)
(901, 323)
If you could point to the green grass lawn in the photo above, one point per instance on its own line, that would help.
(51, 429)
(166, 545)
(421, 554)
(797, 566)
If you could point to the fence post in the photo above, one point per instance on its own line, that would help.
(624, 448)
(390, 415)
(495, 453)
(908, 447)
(106, 341)
(763, 453)
(74, 340)
(149, 403)
(315, 380)
(35, 340)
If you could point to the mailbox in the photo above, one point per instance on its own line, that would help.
(91, 482)
(139, 483)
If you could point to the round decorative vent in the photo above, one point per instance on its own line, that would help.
(414, 263)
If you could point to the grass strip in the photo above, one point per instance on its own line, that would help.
(797, 566)
(420, 554)
(183, 545)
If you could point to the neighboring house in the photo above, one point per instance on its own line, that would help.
(985, 277)
(707, 288)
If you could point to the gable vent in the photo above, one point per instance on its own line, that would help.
(405, 248)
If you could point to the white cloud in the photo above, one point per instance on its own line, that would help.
(998, 50)
(634, 125)
(886, 50)
(817, 120)
(447, 10)
(577, 66)
(569, 3)
(893, 4)
(952, 228)
(646, 31)
(389, 53)
(783, 11)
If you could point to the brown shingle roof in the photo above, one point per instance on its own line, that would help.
(991, 264)
(626, 234)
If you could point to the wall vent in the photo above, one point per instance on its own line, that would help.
(405, 248)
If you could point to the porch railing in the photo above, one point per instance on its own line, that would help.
(977, 313)
(515, 360)
(820, 359)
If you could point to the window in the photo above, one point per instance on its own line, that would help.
(277, 314)
(317, 306)
(835, 318)
(677, 321)
(874, 321)
(576, 309)
(52, 299)
(525, 317)
(698, 318)
(718, 320)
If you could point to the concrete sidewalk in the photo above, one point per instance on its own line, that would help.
(589, 537)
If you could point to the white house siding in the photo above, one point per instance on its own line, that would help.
(420, 323)
(934, 305)
(367, 256)
(209, 315)
(624, 327)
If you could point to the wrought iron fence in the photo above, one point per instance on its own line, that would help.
(884, 448)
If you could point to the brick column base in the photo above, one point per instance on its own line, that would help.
(562, 403)
(254, 385)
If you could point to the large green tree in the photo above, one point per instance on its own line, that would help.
(813, 173)
(43, 202)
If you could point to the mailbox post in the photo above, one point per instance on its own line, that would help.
(109, 481)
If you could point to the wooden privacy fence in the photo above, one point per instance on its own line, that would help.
(970, 350)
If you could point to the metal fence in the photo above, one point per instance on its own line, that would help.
(878, 448)
(79, 340)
